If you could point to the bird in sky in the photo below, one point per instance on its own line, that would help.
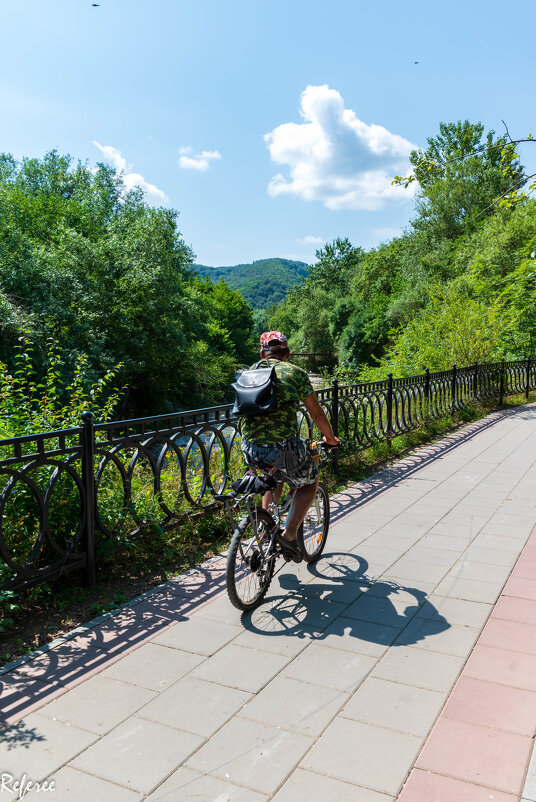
(95, 5)
(415, 62)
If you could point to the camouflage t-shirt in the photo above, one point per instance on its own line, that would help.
(293, 385)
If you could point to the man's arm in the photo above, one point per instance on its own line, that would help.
(319, 417)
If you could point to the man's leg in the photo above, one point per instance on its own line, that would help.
(267, 498)
(301, 502)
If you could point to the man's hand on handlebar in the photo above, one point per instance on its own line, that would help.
(331, 442)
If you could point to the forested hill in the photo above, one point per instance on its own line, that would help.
(262, 283)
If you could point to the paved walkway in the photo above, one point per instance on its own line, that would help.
(401, 666)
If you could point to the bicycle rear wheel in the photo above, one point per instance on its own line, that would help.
(313, 532)
(250, 562)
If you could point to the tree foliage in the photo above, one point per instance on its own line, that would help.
(457, 286)
(90, 264)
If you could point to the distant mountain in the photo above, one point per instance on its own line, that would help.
(262, 283)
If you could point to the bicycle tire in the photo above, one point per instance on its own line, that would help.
(247, 587)
(313, 532)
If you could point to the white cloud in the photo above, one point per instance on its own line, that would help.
(130, 179)
(189, 160)
(310, 240)
(334, 157)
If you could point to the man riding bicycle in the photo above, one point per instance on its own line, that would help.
(271, 442)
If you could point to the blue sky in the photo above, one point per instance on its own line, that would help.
(271, 127)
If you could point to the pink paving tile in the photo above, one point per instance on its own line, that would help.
(480, 755)
(509, 635)
(491, 705)
(511, 608)
(521, 587)
(22, 695)
(424, 786)
(526, 565)
(517, 669)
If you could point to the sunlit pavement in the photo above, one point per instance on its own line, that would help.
(401, 666)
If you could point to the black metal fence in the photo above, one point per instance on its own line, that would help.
(70, 495)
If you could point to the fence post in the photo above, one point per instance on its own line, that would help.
(389, 407)
(427, 391)
(527, 384)
(335, 417)
(501, 384)
(453, 388)
(475, 383)
(88, 479)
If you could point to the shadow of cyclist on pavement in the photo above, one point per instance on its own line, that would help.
(336, 597)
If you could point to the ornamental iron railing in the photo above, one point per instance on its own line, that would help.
(67, 497)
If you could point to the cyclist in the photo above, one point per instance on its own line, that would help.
(271, 441)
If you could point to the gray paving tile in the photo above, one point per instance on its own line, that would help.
(356, 752)
(334, 565)
(455, 611)
(510, 525)
(295, 611)
(186, 785)
(139, 754)
(376, 558)
(490, 555)
(429, 553)
(153, 666)
(38, 746)
(195, 705)
(290, 704)
(220, 609)
(251, 754)
(336, 590)
(392, 540)
(418, 570)
(278, 642)
(468, 568)
(331, 668)
(382, 604)
(395, 706)
(445, 542)
(198, 635)
(362, 637)
(314, 787)
(71, 785)
(239, 667)
(504, 544)
(419, 589)
(420, 667)
(439, 636)
(98, 704)
(470, 589)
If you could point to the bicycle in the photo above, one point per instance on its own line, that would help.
(254, 549)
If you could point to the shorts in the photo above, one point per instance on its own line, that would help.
(290, 458)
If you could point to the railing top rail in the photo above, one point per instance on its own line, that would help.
(169, 416)
(26, 438)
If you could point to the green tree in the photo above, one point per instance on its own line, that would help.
(90, 264)
(461, 174)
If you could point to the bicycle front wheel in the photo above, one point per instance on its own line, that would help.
(250, 562)
(313, 532)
